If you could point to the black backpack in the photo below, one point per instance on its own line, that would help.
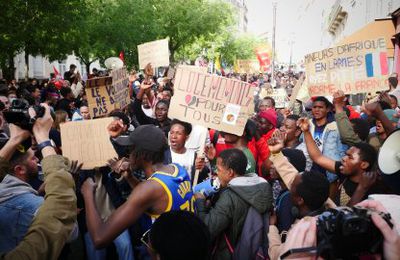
(253, 241)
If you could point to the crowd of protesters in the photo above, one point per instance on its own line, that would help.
(289, 165)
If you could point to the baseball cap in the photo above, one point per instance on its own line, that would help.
(148, 137)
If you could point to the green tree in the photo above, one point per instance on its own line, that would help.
(38, 27)
(124, 24)
(241, 47)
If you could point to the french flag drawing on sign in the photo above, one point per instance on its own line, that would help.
(376, 64)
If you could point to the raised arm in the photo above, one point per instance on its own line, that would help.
(102, 233)
(56, 217)
(285, 169)
(375, 110)
(313, 151)
(347, 134)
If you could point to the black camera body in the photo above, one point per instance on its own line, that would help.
(18, 114)
(345, 233)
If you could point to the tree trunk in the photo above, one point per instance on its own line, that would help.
(87, 64)
(9, 71)
(26, 66)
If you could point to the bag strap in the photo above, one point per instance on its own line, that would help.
(278, 203)
(228, 243)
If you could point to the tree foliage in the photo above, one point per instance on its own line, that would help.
(38, 27)
(98, 29)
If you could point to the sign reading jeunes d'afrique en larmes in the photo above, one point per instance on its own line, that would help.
(211, 101)
(355, 67)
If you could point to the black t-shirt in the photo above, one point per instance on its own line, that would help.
(350, 186)
(69, 76)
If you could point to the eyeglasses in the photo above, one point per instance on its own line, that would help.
(146, 239)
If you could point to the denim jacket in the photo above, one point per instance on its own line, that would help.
(332, 147)
(16, 217)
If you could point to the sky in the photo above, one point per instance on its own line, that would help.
(260, 20)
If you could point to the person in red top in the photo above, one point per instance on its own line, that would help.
(266, 125)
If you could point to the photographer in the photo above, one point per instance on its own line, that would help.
(56, 217)
(304, 233)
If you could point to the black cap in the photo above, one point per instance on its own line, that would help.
(148, 137)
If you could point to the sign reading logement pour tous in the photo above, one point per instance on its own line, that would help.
(211, 101)
(354, 68)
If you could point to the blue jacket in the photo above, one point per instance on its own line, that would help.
(332, 146)
(18, 205)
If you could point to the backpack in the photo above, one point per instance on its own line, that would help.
(253, 241)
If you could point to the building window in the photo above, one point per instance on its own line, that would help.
(63, 67)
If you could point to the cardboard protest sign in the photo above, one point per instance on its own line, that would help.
(355, 67)
(248, 66)
(296, 91)
(194, 68)
(120, 82)
(211, 101)
(108, 93)
(278, 94)
(155, 52)
(100, 96)
(88, 142)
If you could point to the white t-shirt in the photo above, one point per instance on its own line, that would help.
(186, 160)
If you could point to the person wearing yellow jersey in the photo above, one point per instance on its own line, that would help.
(167, 186)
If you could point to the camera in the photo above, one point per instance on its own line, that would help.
(18, 114)
(346, 233)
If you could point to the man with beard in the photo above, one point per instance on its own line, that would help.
(18, 200)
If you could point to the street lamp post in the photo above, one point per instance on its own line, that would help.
(274, 4)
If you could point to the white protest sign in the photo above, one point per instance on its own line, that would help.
(211, 101)
(88, 142)
(155, 52)
(356, 67)
(278, 94)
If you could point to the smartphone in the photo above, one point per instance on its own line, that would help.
(296, 253)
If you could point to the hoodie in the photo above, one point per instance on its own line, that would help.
(227, 215)
(12, 186)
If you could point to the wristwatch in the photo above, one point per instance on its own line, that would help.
(45, 144)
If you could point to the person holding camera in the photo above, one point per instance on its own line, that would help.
(239, 191)
(55, 218)
(303, 235)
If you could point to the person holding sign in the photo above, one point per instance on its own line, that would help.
(161, 119)
(167, 187)
(178, 153)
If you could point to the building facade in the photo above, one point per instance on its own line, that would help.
(242, 10)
